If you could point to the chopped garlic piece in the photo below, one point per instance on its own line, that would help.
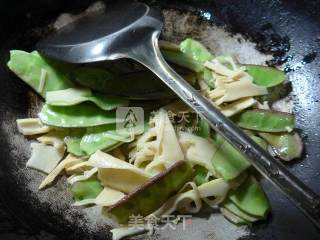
(240, 89)
(236, 107)
(70, 160)
(190, 201)
(44, 158)
(55, 139)
(216, 93)
(219, 68)
(108, 197)
(85, 176)
(32, 126)
(169, 150)
(118, 174)
(240, 72)
(78, 168)
(159, 145)
(197, 150)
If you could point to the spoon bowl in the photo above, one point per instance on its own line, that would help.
(92, 38)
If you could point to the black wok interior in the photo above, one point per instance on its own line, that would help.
(288, 29)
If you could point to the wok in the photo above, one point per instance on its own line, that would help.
(285, 32)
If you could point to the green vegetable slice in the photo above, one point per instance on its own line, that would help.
(195, 50)
(265, 121)
(206, 75)
(182, 60)
(287, 146)
(81, 115)
(73, 96)
(88, 189)
(260, 141)
(200, 175)
(103, 137)
(266, 76)
(229, 205)
(150, 196)
(250, 198)
(135, 85)
(233, 218)
(203, 129)
(73, 142)
(39, 73)
(229, 162)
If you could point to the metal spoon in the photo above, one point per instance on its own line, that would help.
(131, 30)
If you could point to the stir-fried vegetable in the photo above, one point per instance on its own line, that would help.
(37, 72)
(203, 129)
(250, 198)
(81, 115)
(177, 163)
(287, 146)
(265, 76)
(229, 162)
(195, 50)
(266, 121)
(229, 205)
(135, 85)
(201, 174)
(182, 60)
(207, 76)
(88, 189)
(104, 137)
(32, 126)
(74, 96)
(73, 141)
(150, 196)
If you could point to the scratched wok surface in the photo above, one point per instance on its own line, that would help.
(289, 30)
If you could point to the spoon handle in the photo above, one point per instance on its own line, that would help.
(299, 193)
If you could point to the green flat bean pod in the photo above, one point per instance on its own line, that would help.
(287, 146)
(74, 96)
(181, 59)
(265, 120)
(206, 75)
(195, 50)
(30, 66)
(81, 115)
(73, 142)
(87, 189)
(203, 129)
(229, 162)
(238, 212)
(200, 175)
(266, 76)
(103, 137)
(233, 218)
(150, 196)
(135, 85)
(250, 198)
